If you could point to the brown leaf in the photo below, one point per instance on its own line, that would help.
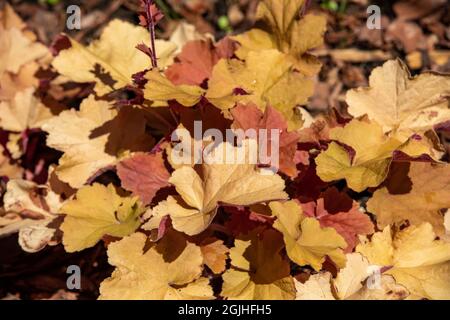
(214, 254)
(196, 61)
(143, 174)
(251, 117)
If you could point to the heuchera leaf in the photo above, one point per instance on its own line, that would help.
(369, 164)
(400, 102)
(156, 274)
(306, 242)
(232, 184)
(290, 35)
(16, 50)
(23, 112)
(70, 133)
(428, 194)
(111, 61)
(160, 90)
(196, 61)
(349, 222)
(250, 117)
(419, 261)
(259, 271)
(94, 138)
(144, 175)
(214, 254)
(95, 212)
(349, 284)
(266, 78)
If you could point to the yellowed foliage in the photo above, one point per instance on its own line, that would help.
(306, 242)
(228, 183)
(373, 152)
(160, 90)
(114, 54)
(400, 102)
(419, 261)
(429, 194)
(70, 132)
(16, 50)
(214, 254)
(154, 274)
(292, 36)
(97, 211)
(25, 111)
(258, 272)
(267, 78)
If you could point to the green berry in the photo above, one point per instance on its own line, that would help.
(223, 23)
(330, 5)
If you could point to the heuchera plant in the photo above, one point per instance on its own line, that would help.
(350, 191)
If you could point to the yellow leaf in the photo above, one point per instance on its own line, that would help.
(8, 169)
(419, 261)
(16, 50)
(354, 282)
(267, 79)
(373, 154)
(289, 35)
(94, 138)
(379, 250)
(258, 271)
(399, 102)
(214, 254)
(279, 14)
(70, 132)
(23, 112)
(160, 90)
(254, 40)
(350, 279)
(229, 183)
(97, 211)
(113, 57)
(317, 287)
(306, 242)
(186, 32)
(30, 208)
(386, 289)
(9, 19)
(429, 193)
(155, 274)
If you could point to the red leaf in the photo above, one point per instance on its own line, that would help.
(333, 210)
(196, 61)
(250, 117)
(143, 175)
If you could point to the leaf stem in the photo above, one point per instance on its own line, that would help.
(305, 7)
(151, 29)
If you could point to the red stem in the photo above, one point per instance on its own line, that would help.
(305, 8)
(151, 28)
